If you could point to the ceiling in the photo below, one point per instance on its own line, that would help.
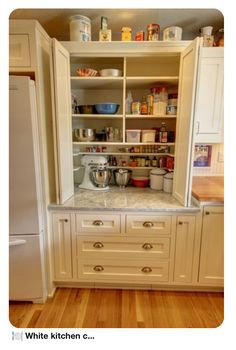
(56, 21)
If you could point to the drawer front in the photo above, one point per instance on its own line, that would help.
(92, 223)
(148, 224)
(19, 50)
(121, 247)
(127, 271)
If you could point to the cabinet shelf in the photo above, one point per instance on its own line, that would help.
(147, 116)
(128, 154)
(97, 116)
(146, 82)
(94, 143)
(97, 82)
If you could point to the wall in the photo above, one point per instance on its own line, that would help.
(216, 168)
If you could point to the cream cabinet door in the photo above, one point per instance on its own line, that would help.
(184, 129)
(62, 246)
(19, 50)
(62, 122)
(184, 249)
(212, 247)
(210, 95)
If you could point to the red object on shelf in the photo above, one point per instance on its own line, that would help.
(141, 181)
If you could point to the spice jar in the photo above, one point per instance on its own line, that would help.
(153, 32)
(126, 34)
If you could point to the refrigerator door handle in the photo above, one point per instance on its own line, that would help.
(17, 242)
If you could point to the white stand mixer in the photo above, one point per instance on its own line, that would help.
(89, 162)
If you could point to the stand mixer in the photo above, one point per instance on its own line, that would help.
(96, 175)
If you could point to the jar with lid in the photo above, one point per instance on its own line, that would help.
(153, 32)
(160, 99)
(126, 34)
(144, 106)
(136, 107)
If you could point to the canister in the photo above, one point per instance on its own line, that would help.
(172, 34)
(156, 179)
(168, 182)
(126, 34)
(153, 32)
(80, 28)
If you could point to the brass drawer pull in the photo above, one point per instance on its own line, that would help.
(146, 269)
(180, 222)
(207, 213)
(98, 268)
(98, 245)
(148, 224)
(97, 223)
(147, 246)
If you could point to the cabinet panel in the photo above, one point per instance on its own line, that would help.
(97, 223)
(62, 246)
(212, 247)
(209, 97)
(19, 50)
(184, 249)
(127, 271)
(148, 224)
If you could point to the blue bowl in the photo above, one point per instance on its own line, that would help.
(106, 108)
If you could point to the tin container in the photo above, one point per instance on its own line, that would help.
(126, 34)
(139, 36)
(153, 32)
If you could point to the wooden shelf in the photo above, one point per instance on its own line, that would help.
(147, 116)
(97, 116)
(96, 82)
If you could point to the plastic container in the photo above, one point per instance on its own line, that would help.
(156, 179)
(168, 182)
(172, 34)
(148, 135)
(171, 110)
(80, 28)
(133, 136)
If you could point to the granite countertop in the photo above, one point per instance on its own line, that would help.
(128, 199)
(208, 188)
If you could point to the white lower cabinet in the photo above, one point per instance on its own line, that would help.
(211, 270)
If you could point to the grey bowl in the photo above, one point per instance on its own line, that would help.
(100, 177)
(122, 177)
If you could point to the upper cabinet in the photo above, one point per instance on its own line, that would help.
(209, 96)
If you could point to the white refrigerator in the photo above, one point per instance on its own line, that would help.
(26, 221)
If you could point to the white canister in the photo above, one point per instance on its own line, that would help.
(80, 28)
(156, 179)
(172, 34)
(168, 182)
(206, 30)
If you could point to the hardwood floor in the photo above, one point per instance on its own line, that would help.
(100, 308)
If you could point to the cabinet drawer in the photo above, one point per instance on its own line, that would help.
(19, 50)
(121, 247)
(95, 223)
(148, 224)
(129, 270)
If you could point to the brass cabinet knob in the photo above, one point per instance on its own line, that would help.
(66, 220)
(148, 224)
(98, 245)
(207, 213)
(97, 223)
(180, 222)
(146, 269)
(147, 246)
(98, 268)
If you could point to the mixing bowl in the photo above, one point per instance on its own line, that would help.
(110, 72)
(140, 181)
(106, 108)
(100, 177)
(122, 177)
(84, 134)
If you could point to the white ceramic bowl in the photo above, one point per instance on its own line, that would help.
(110, 72)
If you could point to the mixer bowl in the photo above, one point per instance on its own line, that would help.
(100, 177)
(122, 177)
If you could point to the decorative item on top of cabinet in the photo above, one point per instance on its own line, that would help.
(211, 270)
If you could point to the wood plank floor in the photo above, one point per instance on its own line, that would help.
(103, 308)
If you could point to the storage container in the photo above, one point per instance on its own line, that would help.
(148, 135)
(168, 182)
(80, 28)
(156, 179)
(172, 34)
(133, 136)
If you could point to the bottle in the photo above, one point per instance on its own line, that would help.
(147, 161)
(144, 106)
(163, 133)
(154, 161)
(128, 103)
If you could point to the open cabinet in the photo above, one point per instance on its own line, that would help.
(143, 66)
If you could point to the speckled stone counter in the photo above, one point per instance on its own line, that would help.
(128, 199)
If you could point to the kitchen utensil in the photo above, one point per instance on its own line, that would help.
(84, 134)
(156, 179)
(86, 109)
(110, 72)
(122, 177)
(106, 108)
(100, 177)
(140, 181)
(86, 72)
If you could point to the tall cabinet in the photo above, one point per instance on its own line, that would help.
(143, 65)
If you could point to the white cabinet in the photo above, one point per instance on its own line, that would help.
(19, 50)
(62, 246)
(210, 96)
(211, 271)
(184, 249)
